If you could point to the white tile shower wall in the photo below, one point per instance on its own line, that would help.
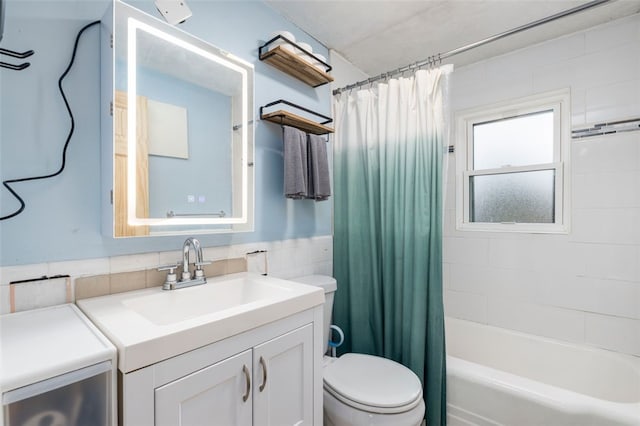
(285, 259)
(584, 286)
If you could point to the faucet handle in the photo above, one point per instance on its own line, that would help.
(171, 267)
(199, 273)
(172, 278)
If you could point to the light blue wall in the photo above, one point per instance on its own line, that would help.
(62, 217)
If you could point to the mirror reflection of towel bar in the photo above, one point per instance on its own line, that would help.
(239, 126)
(171, 213)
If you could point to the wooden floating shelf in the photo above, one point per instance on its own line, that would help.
(295, 66)
(288, 119)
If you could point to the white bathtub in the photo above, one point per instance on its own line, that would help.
(496, 376)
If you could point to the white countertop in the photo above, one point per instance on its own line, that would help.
(142, 341)
(42, 343)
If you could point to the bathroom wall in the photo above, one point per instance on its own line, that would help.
(62, 219)
(344, 72)
(585, 286)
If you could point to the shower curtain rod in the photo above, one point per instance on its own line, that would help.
(437, 58)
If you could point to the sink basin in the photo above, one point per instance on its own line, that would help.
(151, 325)
(172, 306)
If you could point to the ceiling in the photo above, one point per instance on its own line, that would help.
(381, 35)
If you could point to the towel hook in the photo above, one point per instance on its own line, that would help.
(19, 55)
(14, 54)
(19, 67)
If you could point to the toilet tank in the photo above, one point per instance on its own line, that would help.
(330, 286)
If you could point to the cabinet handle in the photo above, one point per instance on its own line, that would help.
(245, 370)
(264, 374)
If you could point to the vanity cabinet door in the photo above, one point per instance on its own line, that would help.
(216, 395)
(283, 379)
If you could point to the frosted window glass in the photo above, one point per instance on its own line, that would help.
(515, 141)
(522, 197)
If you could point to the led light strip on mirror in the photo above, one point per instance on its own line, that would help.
(134, 25)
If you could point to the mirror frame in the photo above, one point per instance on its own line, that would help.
(137, 20)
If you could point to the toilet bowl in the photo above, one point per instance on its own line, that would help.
(363, 389)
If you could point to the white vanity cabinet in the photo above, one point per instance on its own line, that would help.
(241, 349)
(278, 392)
(270, 375)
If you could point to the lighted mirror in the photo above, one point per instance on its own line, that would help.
(183, 134)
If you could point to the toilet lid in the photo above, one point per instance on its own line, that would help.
(378, 383)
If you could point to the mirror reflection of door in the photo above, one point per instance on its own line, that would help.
(122, 228)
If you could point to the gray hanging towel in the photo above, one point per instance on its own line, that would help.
(319, 179)
(295, 163)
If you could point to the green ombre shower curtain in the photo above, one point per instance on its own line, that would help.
(388, 186)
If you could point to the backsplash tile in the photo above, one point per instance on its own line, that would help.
(5, 306)
(257, 262)
(21, 272)
(102, 276)
(155, 278)
(39, 293)
(134, 262)
(80, 267)
(224, 267)
(92, 286)
(127, 281)
(166, 258)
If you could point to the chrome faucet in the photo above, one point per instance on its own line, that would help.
(186, 279)
(191, 242)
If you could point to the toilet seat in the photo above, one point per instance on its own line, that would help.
(356, 379)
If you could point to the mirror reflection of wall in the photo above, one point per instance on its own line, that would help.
(197, 184)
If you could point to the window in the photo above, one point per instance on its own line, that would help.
(512, 164)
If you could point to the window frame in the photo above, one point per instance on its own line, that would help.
(557, 101)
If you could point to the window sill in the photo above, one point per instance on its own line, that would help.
(525, 228)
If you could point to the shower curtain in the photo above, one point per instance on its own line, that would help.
(388, 208)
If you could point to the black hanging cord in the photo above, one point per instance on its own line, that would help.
(66, 144)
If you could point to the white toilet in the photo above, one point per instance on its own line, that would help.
(363, 389)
